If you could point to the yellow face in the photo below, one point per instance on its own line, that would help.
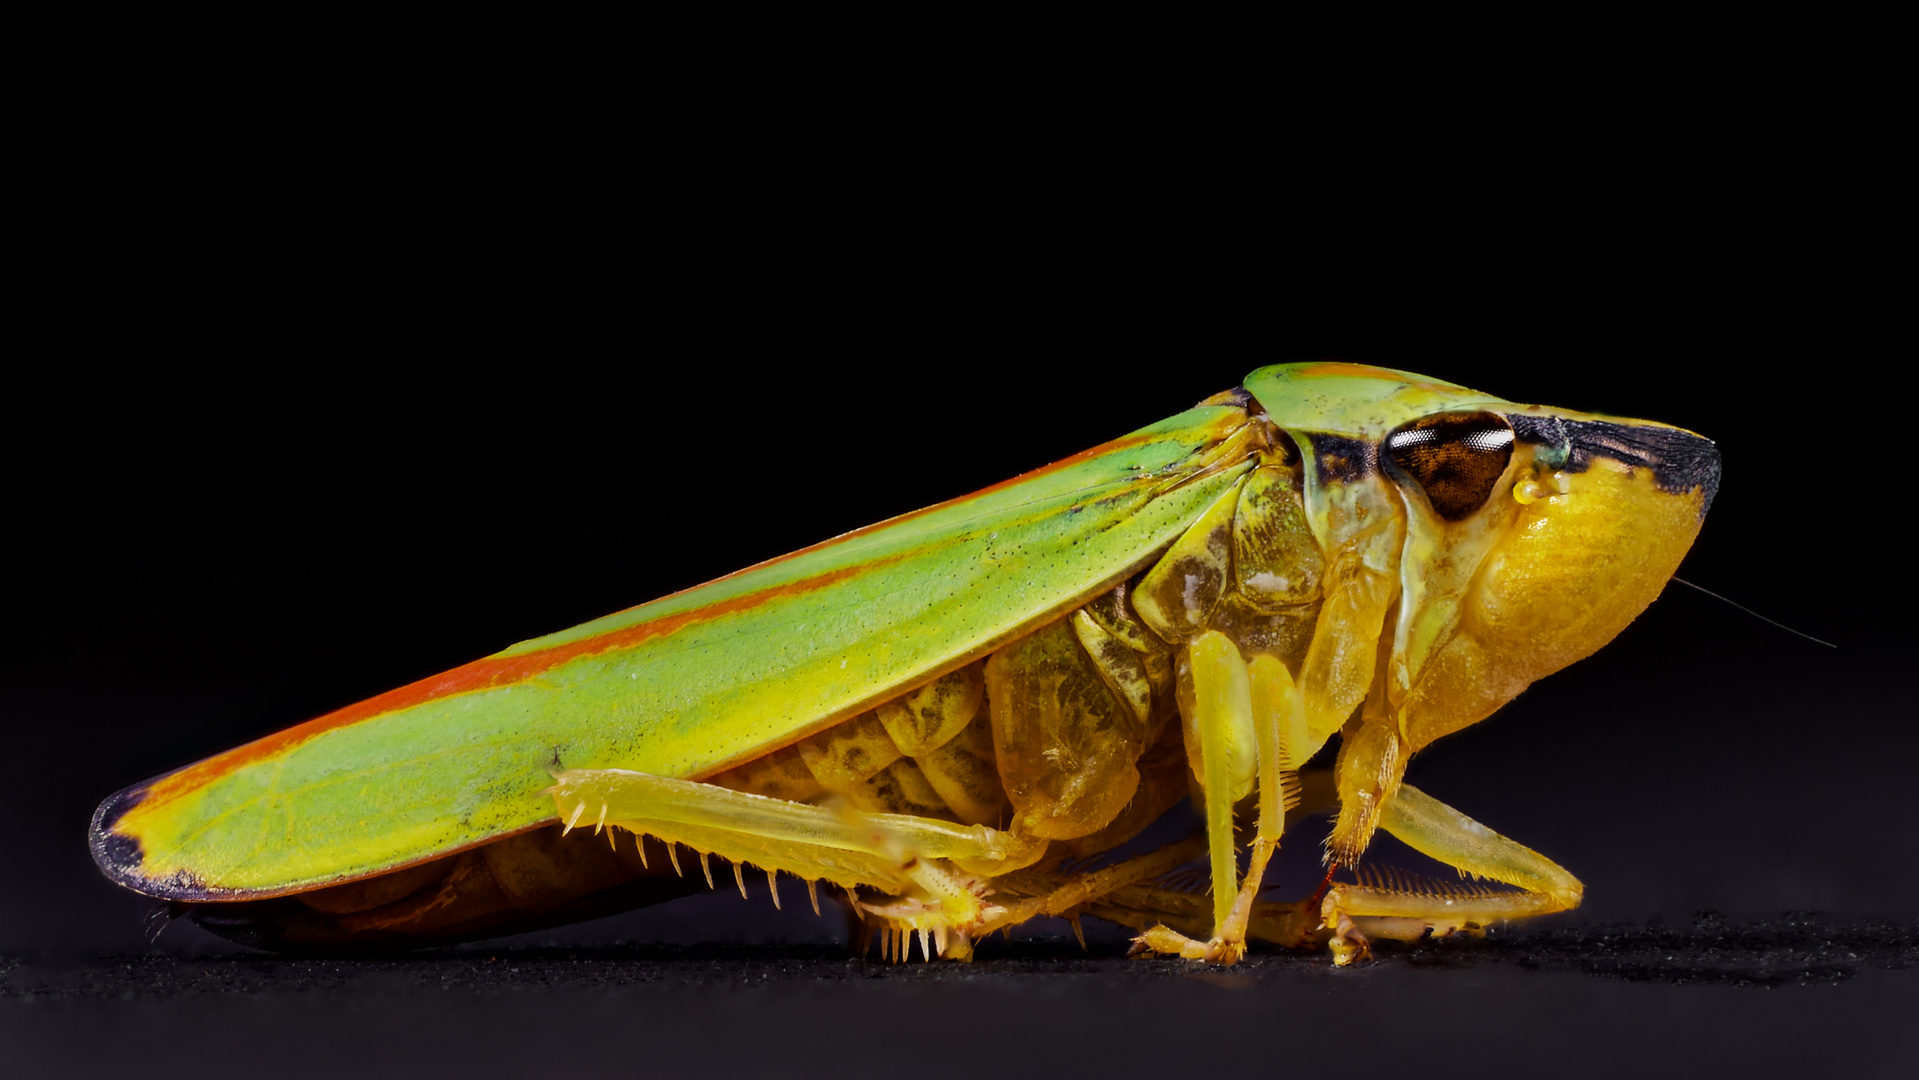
(1499, 542)
(1533, 536)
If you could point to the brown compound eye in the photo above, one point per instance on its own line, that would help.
(1455, 458)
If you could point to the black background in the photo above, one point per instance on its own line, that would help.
(307, 411)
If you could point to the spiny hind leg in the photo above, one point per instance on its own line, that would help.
(1231, 696)
(1385, 906)
(933, 870)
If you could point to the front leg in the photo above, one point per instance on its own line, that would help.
(1352, 912)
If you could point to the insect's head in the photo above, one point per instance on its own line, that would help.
(1522, 537)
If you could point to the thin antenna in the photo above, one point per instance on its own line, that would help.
(1753, 613)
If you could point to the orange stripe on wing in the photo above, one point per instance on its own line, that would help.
(496, 671)
(483, 674)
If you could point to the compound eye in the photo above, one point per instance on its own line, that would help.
(1455, 458)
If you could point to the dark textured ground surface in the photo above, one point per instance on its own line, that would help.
(1797, 994)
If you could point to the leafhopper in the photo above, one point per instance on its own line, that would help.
(951, 714)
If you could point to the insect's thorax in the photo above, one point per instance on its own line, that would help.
(1073, 733)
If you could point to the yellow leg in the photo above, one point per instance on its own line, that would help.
(1232, 700)
(1222, 710)
(1385, 907)
(926, 865)
(1050, 895)
(934, 868)
(1159, 914)
(1278, 713)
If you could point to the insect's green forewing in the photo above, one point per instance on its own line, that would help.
(682, 687)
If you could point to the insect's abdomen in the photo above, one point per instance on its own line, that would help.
(518, 884)
(927, 753)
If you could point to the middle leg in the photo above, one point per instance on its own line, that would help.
(1234, 704)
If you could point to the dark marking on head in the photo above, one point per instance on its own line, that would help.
(1455, 458)
(1342, 460)
(1680, 461)
(1548, 433)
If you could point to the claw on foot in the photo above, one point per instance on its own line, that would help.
(1224, 953)
(1163, 940)
(1348, 943)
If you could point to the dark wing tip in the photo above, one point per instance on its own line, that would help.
(118, 856)
(121, 858)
